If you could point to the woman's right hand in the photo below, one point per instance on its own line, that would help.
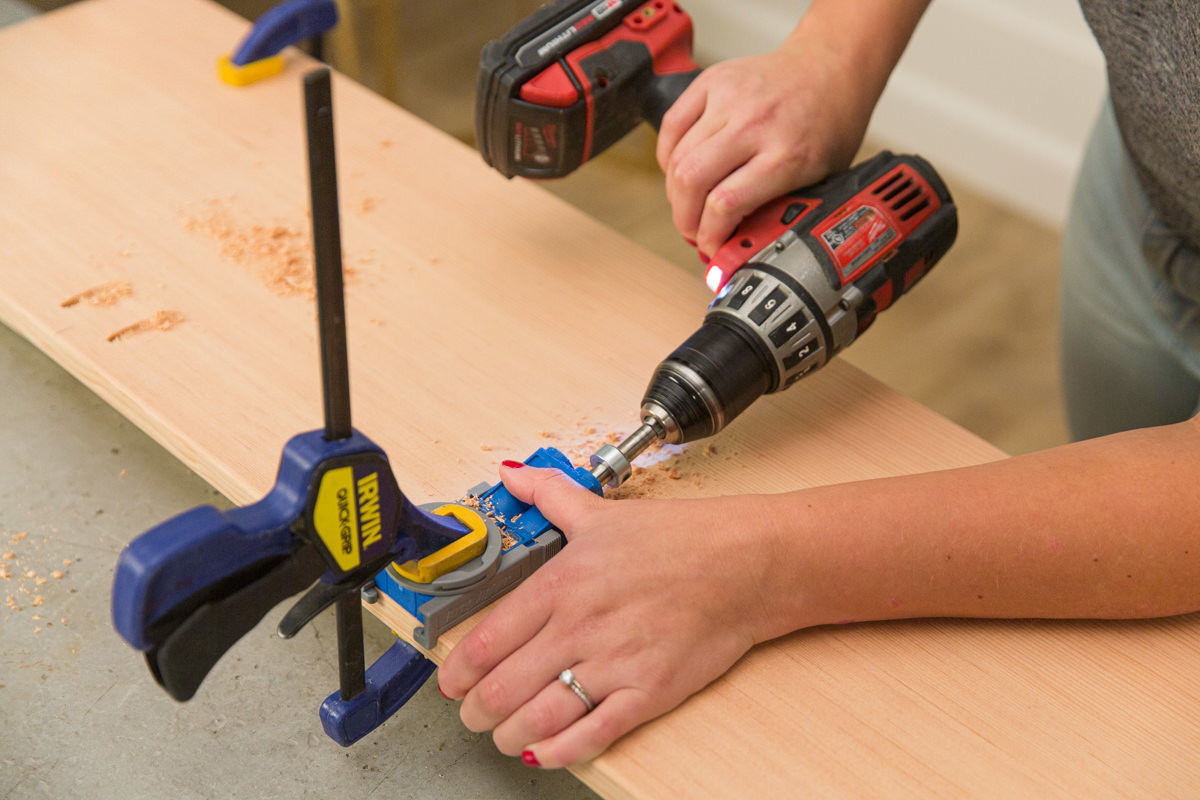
(751, 129)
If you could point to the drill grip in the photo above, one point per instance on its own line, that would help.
(661, 94)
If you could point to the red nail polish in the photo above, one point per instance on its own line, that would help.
(512, 464)
(530, 759)
(443, 694)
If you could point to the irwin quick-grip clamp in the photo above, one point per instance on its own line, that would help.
(185, 591)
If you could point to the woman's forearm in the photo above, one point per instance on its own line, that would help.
(1105, 528)
(866, 37)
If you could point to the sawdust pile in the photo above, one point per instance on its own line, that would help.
(158, 321)
(662, 471)
(28, 583)
(279, 254)
(106, 294)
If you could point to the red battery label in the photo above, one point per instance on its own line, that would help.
(533, 143)
(857, 238)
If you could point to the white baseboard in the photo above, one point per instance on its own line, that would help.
(998, 94)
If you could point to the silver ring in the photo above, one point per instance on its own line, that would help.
(568, 678)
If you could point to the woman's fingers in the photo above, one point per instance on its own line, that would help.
(551, 710)
(561, 500)
(761, 179)
(593, 733)
(679, 119)
(702, 161)
(514, 622)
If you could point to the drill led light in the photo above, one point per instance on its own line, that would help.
(714, 277)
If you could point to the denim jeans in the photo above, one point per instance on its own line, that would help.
(1129, 327)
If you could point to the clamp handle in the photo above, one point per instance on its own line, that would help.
(185, 591)
(172, 569)
(285, 24)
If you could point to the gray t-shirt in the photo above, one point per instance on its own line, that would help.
(1152, 48)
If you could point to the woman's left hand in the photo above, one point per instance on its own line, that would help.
(650, 601)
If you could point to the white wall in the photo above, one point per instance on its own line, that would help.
(997, 93)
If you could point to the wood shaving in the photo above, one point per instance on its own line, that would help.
(158, 321)
(16, 537)
(280, 255)
(106, 294)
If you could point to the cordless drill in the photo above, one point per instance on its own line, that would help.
(798, 281)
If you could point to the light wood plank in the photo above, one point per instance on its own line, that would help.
(486, 319)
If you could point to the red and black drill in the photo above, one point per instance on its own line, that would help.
(798, 281)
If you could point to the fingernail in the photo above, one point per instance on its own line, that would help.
(530, 759)
(512, 464)
(443, 694)
(713, 277)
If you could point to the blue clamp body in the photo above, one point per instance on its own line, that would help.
(283, 25)
(161, 569)
(391, 681)
(185, 591)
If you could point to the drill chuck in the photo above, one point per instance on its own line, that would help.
(711, 378)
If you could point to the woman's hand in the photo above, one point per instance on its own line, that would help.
(649, 602)
(748, 130)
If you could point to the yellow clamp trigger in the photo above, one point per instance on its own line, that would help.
(453, 555)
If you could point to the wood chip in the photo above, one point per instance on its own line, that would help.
(159, 320)
(106, 294)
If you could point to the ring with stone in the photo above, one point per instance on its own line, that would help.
(568, 679)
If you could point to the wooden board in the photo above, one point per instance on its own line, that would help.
(488, 319)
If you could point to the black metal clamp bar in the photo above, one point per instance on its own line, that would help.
(331, 323)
